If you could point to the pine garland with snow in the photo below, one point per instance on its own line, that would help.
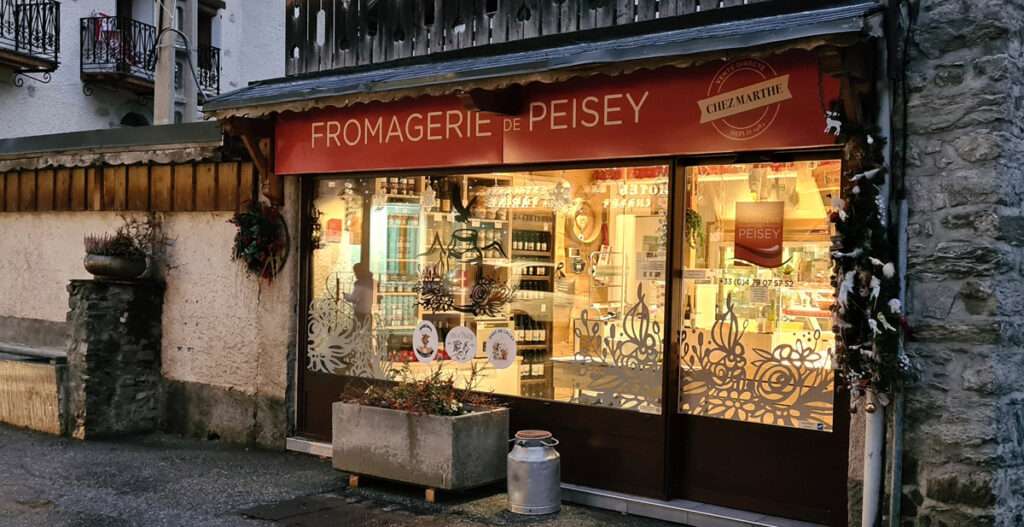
(868, 316)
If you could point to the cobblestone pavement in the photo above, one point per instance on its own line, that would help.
(164, 480)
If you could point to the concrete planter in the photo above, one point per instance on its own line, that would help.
(433, 451)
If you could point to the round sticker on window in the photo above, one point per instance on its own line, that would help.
(501, 348)
(424, 341)
(460, 344)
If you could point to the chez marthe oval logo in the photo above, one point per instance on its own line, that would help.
(743, 98)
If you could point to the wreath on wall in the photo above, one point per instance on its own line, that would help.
(261, 242)
(869, 323)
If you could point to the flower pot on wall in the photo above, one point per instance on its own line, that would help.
(114, 267)
(442, 452)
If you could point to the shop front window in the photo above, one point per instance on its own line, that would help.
(757, 344)
(549, 284)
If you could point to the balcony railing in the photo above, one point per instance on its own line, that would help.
(31, 30)
(118, 49)
(328, 34)
(208, 68)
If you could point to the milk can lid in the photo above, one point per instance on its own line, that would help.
(533, 434)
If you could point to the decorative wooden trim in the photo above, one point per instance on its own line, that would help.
(221, 186)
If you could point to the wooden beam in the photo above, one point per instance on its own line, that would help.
(271, 185)
(258, 137)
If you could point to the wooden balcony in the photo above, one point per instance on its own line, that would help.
(331, 34)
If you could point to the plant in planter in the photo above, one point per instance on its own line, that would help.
(124, 254)
(422, 431)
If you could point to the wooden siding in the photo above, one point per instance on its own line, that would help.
(323, 35)
(187, 187)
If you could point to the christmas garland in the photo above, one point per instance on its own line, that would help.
(261, 240)
(868, 315)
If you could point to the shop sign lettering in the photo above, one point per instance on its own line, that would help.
(636, 195)
(744, 104)
(520, 197)
(586, 112)
(413, 128)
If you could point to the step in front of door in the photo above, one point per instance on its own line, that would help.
(685, 512)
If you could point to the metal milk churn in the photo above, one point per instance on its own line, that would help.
(534, 473)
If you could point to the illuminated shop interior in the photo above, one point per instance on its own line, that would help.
(574, 264)
(758, 342)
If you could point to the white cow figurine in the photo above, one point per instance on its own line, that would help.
(832, 124)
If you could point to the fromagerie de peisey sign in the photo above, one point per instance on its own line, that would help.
(743, 104)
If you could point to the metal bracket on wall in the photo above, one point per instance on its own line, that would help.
(18, 78)
(87, 89)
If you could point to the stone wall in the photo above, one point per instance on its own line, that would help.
(964, 437)
(113, 371)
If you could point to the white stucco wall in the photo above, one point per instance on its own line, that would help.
(39, 253)
(61, 106)
(252, 43)
(221, 327)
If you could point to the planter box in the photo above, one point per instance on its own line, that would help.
(433, 451)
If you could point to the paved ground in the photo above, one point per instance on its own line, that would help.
(163, 480)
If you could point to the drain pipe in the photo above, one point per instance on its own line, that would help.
(896, 478)
(874, 432)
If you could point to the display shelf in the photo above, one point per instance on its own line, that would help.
(811, 313)
(403, 197)
(519, 252)
(476, 221)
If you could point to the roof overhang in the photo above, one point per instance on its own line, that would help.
(836, 26)
(176, 143)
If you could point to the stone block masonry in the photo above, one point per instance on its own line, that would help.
(964, 438)
(113, 370)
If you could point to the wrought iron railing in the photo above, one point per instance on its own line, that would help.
(31, 28)
(118, 45)
(328, 34)
(208, 68)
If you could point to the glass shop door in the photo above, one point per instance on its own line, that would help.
(758, 424)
